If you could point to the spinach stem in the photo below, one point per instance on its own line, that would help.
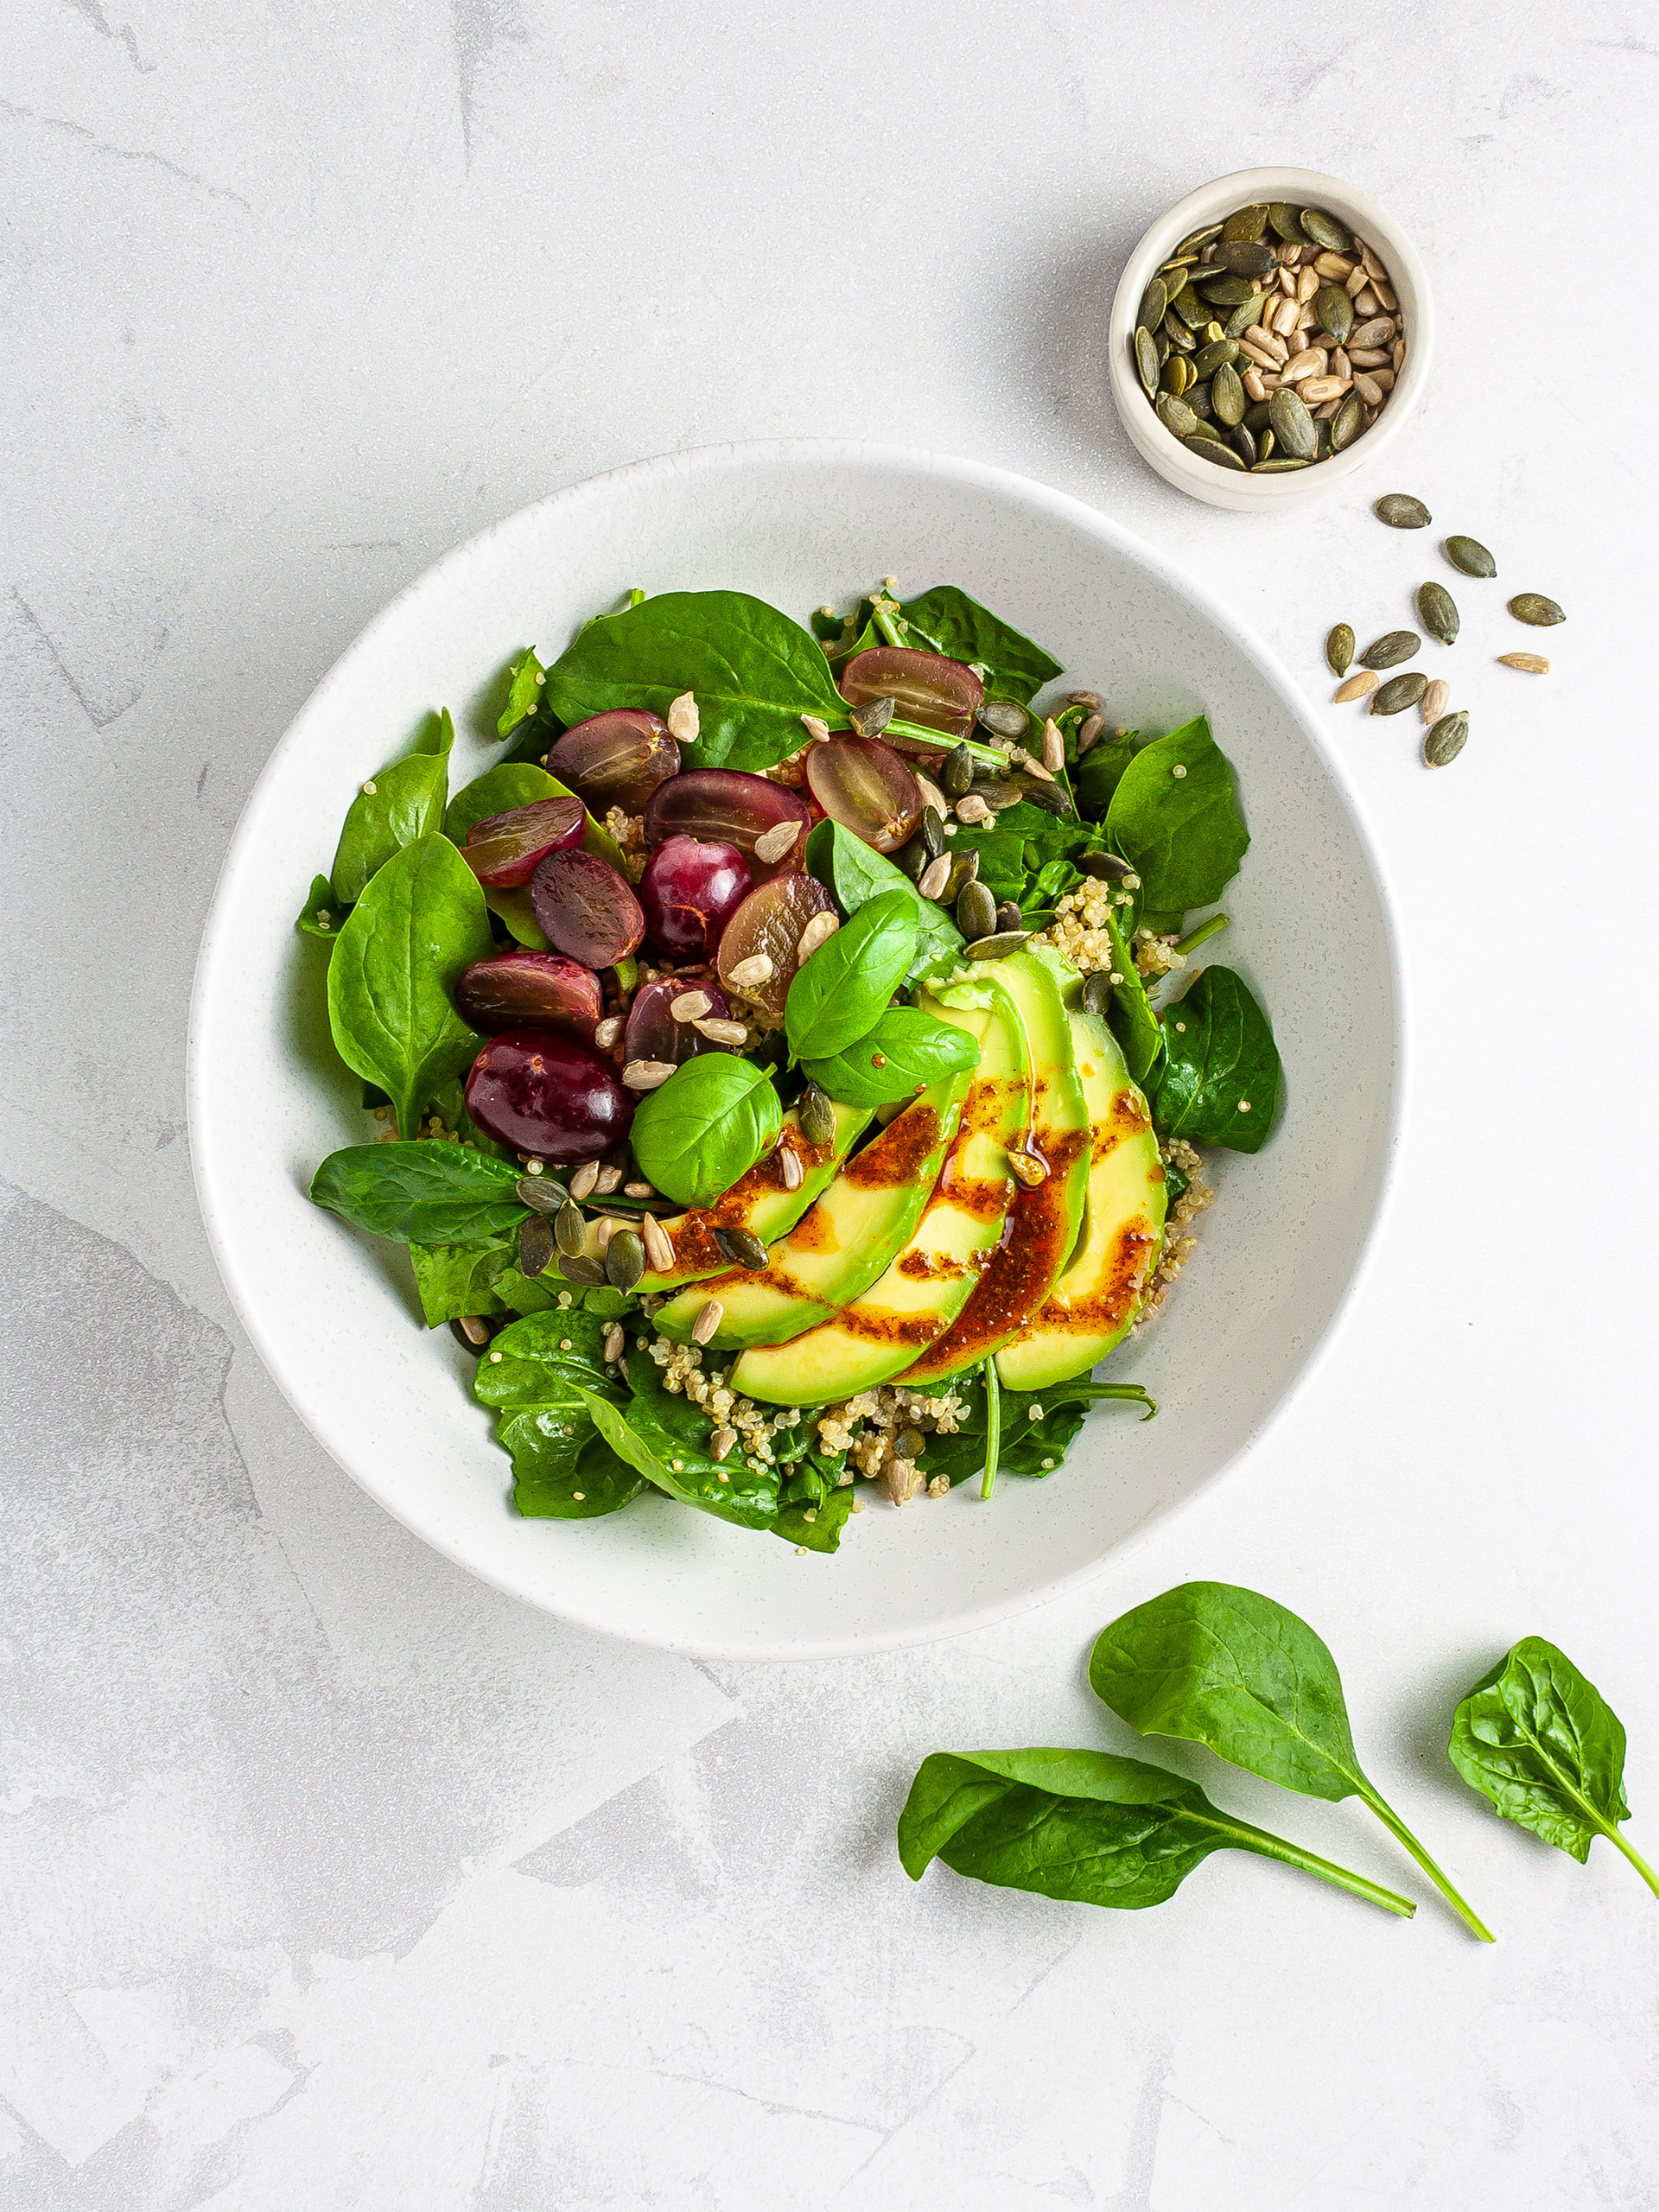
(1204, 933)
(1397, 1827)
(1273, 1846)
(1635, 1858)
(912, 737)
(993, 1426)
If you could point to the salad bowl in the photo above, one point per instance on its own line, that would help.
(335, 1317)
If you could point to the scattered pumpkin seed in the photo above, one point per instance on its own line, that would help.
(1105, 868)
(1446, 740)
(1227, 395)
(1155, 305)
(537, 1245)
(1438, 611)
(1175, 415)
(1340, 650)
(576, 1268)
(957, 773)
(1324, 230)
(818, 1116)
(541, 1192)
(1400, 511)
(1244, 444)
(741, 1245)
(1004, 718)
(625, 1260)
(1008, 916)
(1097, 995)
(1392, 647)
(1530, 663)
(1334, 312)
(997, 947)
(870, 719)
(1188, 308)
(976, 912)
(1399, 693)
(570, 1230)
(1470, 555)
(1358, 684)
(1532, 606)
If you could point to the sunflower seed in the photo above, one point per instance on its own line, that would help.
(582, 1181)
(625, 1260)
(997, 947)
(710, 1314)
(1400, 511)
(575, 1268)
(1054, 746)
(1105, 868)
(933, 799)
(608, 1031)
(1031, 765)
(1446, 740)
(1438, 611)
(1470, 555)
(682, 720)
(1435, 700)
(1399, 693)
(639, 1190)
(1532, 663)
(976, 912)
(789, 1168)
(934, 876)
(818, 930)
(1340, 650)
(1394, 647)
(1293, 426)
(720, 1032)
(1155, 302)
(616, 1344)
(872, 717)
(1532, 606)
(957, 773)
(722, 1442)
(474, 1330)
(818, 1116)
(1097, 995)
(817, 729)
(1089, 732)
(1310, 362)
(541, 1192)
(772, 844)
(749, 974)
(659, 1248)
(1325, 393)
(604, 1228)
(1004, 718)
(1358, 684)
(646, 1075)
(537, 1245)
(691, 1006)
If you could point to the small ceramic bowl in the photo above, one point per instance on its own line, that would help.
(1210, 203)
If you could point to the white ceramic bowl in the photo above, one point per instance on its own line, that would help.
(1210, 203)
(334, 1316)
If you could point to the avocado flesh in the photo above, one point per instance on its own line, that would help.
(1044, 1222)
(759, 1201)
(1092, 1307)
(837, 1250)
(876, 1336)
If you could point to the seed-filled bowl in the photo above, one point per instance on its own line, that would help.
(1243, 486)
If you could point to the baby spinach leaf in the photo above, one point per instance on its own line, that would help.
(1084, 1826)
(1221, 1073)
(427, 1193)
(841, 993)
(1175, 819)
(542, 1376)
(945, 620)
(543, 1360)
(419, 922)
(1544, 1746)
(1130, 1017)
(1097, 775)
(1037, 1426)
(753, 673)
(457, 1279)
(524, 694)
(855, 873)
(1228, 1668)
(904, 1051)
(321, 901)
(393, 810)
(706, 1125)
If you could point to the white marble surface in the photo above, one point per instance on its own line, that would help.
(332, 1880)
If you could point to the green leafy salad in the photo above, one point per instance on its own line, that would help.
(790, 1057)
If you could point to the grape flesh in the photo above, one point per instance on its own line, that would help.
(690, 890)
(584, 909)
(616, 760)
(924, 688)
(529, 991)
(728, 806)
(653, 1033)
(865, 785)
(770, 922)
(549, 1096)
(505, 850)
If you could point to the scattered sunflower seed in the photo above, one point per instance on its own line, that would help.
(606, 1180)
(608, 1031)
(1358, 684)
(1435, 700)
(1399, 693)
(1053, 748)
(646, 1075)
(1446, 740)
(789, 1168)
(818, 930)
(537, 1245)
(583, 1181)
(691, 1006)
(639, 1190)
(1400, 511)
(720, 1032)
(682, 719)
(616, 1343)
(997, 947)
(659, 1248)
(1532, 606)
(972, 809)
(1470, 555)
(1438, 611)
(1340, 650)
(625, 1260)
(1394, 645)
(1089, 699)
(818, 1116)
(773, 843)
(474, 1330)
(710, 1314)
(1531, 663)
(934, 876)
(1088, 730)
(749, 974)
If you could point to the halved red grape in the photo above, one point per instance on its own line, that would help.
(505, 850)
(652, 1032)
(736, 809)
(584, 908)
(768, 926)
(924, 688)
(537, 1092)
(616, 759)
(690, 890)
(864, 785)
(529, 991)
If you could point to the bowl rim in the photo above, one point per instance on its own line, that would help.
(1238, 489)
(218, 946)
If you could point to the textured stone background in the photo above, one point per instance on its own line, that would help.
(334, 1880)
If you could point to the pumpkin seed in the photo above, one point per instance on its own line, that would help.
(1399, 693)
(1097, 995)
(931, 832)
(1532, 606)
(1245, 256)
(1176, 416)
(1470, 555)
(997, 947)
(1293, 425)
(957, 773)
(1358, 684)
(1400, 511)
(1190, 308)
(1334, 312)
(1049, 799)
(1287, 222)
(1244, 226)
(1155, 302)
(818, 1116)
(741, 1245)
(1277, 467)
(1105, 868)
(1008, 916)
(1224, 291)
(1446, 740)
(1199, 239)
(1340, 650)
(1344, 423)
(574, 1267)
(1212, 357)
(570, 1230)
(1438, 611)
(1004, 718)
(1245, 315)
(976, 912)
(1147, 364)
(537, 1245)
(625, 1259)
(1227, 396)
(1211, 449)
(1393, 646)
(1177, 334)
(1243, 444)
(541, 1192)
(1532, 663)
(871, 718)
(964, 870)
(1435, 700)
(1197, 396)
(1324, 230)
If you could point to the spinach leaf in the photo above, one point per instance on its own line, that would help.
(393, 809)
(945, 620)
(542, 1359)
(904, 1051)
(523, 695)
(753, 672)
(1221, 1073)
(541, 1377)
(1097, 775)
(1228, 1668)
(421, 921)
(855, 873)
(1544, 1746)
(1130, 1017)
(706, 1125)
(1037, 1426)
(428, 1193)
(841, 992)
(1001, 852)
(1084, 1826)
(453, 1280)
(321, 901)
(1181, 832)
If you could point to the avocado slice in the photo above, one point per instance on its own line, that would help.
(1043, 1221)
(876, 1336)
(1092, 1305)
(759, 1201)
(867, 1214)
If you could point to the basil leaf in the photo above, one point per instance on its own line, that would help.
(457, 1279)
(1543, 1744)
(1228, 1668)
(405, 803)
(420, 922)
(429, 1193)
(855, 873)
(945, 620)
(523, 695)
(753, 672)
(1130, 1017)
(1184, 834)
(1084, 1826)
(914, 1050)
(841, 993)
(1222, 1073)
(321, 901)
(706, 1125)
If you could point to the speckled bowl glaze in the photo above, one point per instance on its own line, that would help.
(334, 1316)
(1212, 203)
